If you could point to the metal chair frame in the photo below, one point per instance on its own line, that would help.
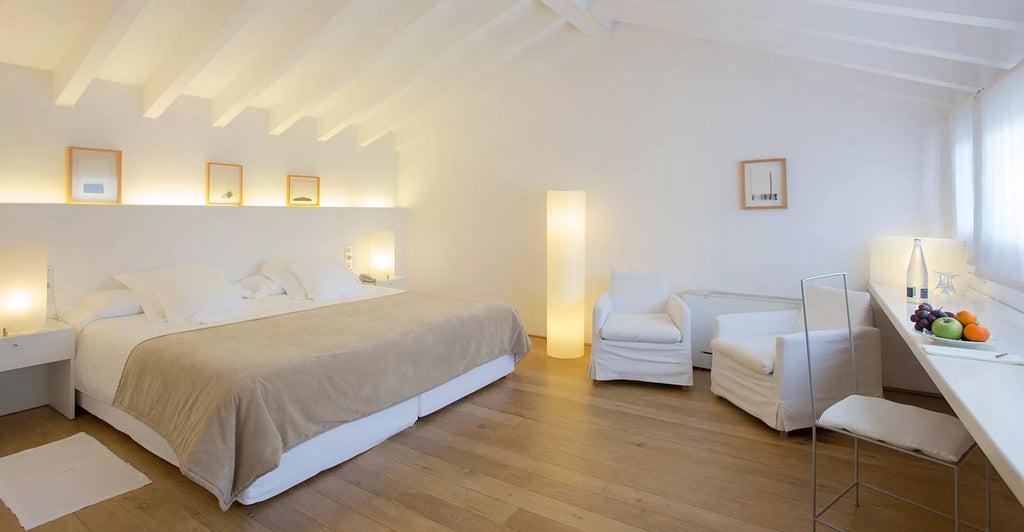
(817, 515)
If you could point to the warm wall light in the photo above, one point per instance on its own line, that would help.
(381, 247)
(567, 220)
(23, 288)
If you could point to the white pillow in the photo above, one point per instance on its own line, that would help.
(260, 286)
(638, 292)
(826, 308)
(204, 300)
(145, 283)
(104, 304)
(279, 271)
(326, 279)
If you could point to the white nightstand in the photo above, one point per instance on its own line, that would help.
(35, 369)
(394, 282)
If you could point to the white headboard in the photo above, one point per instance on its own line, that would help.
(89, 243)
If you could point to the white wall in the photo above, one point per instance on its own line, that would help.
(88, 244)
(653, 127)
(165, 158)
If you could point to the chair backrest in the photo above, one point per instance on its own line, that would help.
(826, 308)
(638, 292)
(835, 304)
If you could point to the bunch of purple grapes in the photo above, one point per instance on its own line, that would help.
(925, 315)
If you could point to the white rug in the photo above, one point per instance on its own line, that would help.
(47, 482)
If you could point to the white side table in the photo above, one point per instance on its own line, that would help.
(394, 282)
(47, 353)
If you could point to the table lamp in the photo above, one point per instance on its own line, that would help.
(22, 288)
(381, 245)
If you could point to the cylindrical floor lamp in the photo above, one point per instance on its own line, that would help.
(567, 220)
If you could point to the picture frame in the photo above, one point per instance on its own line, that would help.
(224, 184)
(303, 191)
(93, 175)
(763, 184)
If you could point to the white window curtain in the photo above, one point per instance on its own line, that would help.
(999, 187)
(962, 139)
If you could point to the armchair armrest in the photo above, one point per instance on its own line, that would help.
(679, 311)
(602, 308)
(756, 323)
(833, 368)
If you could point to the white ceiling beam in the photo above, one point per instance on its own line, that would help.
(474, 34)
(929, 70)
(576, 14)
(74, 73)
(396, 27)
(996, 14)
(175, 75)
(971, 44)
(284, 55)
(520, 43)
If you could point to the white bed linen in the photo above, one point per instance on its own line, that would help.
(103, 346)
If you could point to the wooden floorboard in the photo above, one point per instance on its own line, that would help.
(546, 449)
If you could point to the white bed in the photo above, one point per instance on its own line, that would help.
(104, 347)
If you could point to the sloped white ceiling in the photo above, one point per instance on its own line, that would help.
(377, 64)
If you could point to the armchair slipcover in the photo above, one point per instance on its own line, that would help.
(641, 332)
(759, 360)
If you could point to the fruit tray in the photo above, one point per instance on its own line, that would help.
(963, 344)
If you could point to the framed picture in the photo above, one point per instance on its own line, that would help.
(763, 184)
(223, 184)
(93, 175)
(303, 191)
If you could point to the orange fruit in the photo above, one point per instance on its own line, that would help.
(966, 317)
(975, 332)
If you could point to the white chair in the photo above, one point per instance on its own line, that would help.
(932, 436)
(759, 361)
(641, 332)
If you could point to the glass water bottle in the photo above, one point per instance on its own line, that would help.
(917, 275)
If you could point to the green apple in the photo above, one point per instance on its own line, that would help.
(948, 328)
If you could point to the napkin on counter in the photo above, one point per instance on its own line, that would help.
(973, 354)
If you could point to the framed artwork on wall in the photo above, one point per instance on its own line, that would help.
(223, 184)
(303, 191)
(763, 184)
(93, 175)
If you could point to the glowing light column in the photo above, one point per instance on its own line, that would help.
(567, 220)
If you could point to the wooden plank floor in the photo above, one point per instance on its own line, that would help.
(545, 449)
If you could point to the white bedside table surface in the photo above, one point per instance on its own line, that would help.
(41, 346)
(52, 347)
(394, 282)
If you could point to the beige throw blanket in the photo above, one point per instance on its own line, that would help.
(231, 399)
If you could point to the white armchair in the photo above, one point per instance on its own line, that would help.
(641, 332)
(759, 360)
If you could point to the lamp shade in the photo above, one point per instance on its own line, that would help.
(23, 288)
(381, 246)
(566, 266)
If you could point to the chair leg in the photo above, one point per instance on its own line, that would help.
(814, 477)
(856, 472)
(956, 498)
(988, 495)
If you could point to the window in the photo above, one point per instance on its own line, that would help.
(988, 179)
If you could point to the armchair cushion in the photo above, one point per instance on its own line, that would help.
(826, 308)
(753, 352)
(638, 292)
(650, 328)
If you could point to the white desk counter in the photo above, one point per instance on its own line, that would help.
(988, 397)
